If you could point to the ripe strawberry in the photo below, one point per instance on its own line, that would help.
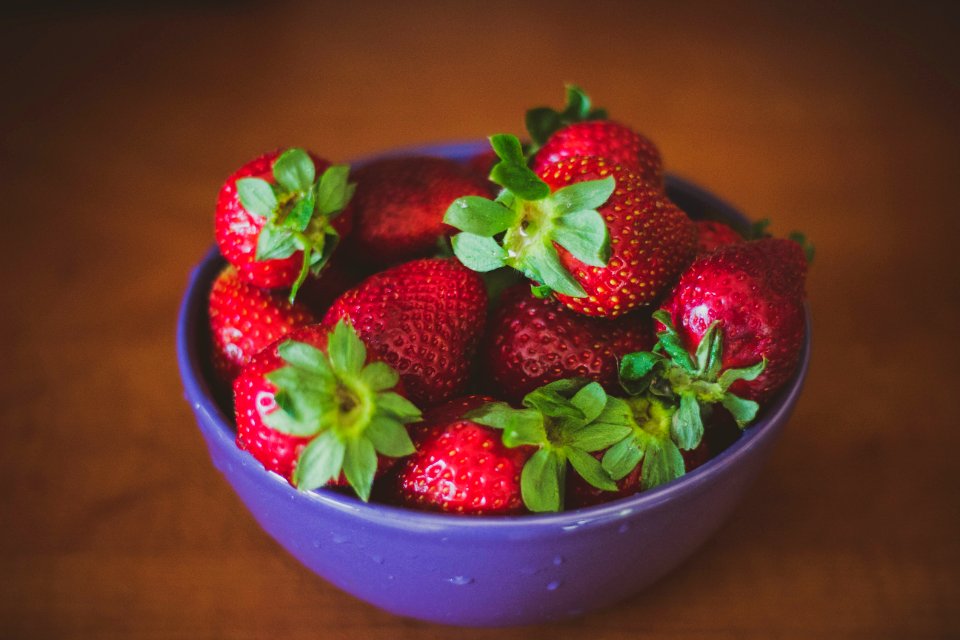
(274, 217)
(531, 341)
(599, 237)
(565, 421)
(580, 130)
(244, 319)
(399, 205)
(644, 460)
(615, 142)
(313, 408)
(424, 318)
(460, 466)
(712, 234)
(732, 332)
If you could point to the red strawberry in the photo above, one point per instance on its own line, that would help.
(424, 318)
(273, 217)
(755, 291)
(615, 142)
(712, 234)
(313, 408)
(732, 332)
(399, 206)
(645, 459)
(598, 236)
(531, 341)
(581, 130)
(244, 319)
(460, 466)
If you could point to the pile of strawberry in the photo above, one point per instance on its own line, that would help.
(538, 329)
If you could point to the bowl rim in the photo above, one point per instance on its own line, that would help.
(199, 394)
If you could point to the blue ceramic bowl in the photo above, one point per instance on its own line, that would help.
(476, 571)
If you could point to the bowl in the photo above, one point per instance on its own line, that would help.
(482, 571)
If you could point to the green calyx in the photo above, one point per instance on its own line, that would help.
(345, 405)
(543, 122)
(690, 383)
(566, 421)
(297, 210)
(520, 228)
(649, 444)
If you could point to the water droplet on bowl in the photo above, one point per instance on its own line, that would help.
(624, 528)
(553, 586)
(460, 581)
(338, 539)
(377, 559)
(559, 560)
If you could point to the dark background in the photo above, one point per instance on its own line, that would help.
(120, 121)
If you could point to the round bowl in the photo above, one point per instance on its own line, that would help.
(476, 571)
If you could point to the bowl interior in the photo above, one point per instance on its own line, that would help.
(213, 402)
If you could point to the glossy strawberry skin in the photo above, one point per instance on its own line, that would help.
(460, 467)
(237, 230)
(619, 144)
(244, 319)
(424, 318)
(531, 342)
(651, 241)
(399, 204)
(712, 234)
(253, 393)
(756, 291)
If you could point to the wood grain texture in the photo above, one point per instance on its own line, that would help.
(117, 126)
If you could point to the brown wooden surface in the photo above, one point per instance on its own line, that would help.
(118, 124)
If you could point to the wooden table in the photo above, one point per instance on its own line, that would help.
(118, 125)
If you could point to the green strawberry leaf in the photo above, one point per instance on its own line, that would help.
(743, 411)
(597, 436)
(590, 400)
(389, 437)
(706, 355)
(320, 462)
(581, 196)
(540, 291)
(508, 148)
(638, 369)
(346, 350)
(520, 426)
(257, 197)
(333, 191)
(584, 234)
(578, 105)
(480, 216)
(541, 123)
(305, 356)
(302, 212)
(379, 376)
(478, 253)
(360, 466)
(548, 401)
(729, 376)
(590, 469)
(392, 403)
(276, 243)
(545, 264)
(294, 170)
(519, 179)
(541, 481)
(622, 458)
(687, 427)
(662, 463)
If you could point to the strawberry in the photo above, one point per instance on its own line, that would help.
(531, 341)
(598, 236)
(399, 205)
(712, 234)
(565, 422)
(460, 466)
(315, 409)
(731, 333)
(424, 318)
(644, 460)
(244, 319)
(580, 130)
(274, 217)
